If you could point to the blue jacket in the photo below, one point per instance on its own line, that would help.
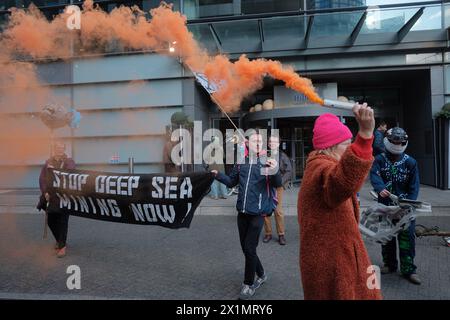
(400, 178)
(256, 194)
(378, 143)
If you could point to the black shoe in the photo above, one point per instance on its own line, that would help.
(413, 278)
(267, 238)
(282, 240)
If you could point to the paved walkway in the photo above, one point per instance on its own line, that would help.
(120, 261)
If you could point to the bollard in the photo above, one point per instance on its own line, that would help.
(131, 165)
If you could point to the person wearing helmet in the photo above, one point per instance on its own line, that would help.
(395, 172)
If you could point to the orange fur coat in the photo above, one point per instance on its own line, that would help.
(333, 257)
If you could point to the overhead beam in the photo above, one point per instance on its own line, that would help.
(261, 33)
(401, 34)
(357, 29)
(308, 32)
(216, 38)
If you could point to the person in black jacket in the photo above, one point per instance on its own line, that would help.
(58, 221)
(255, 201)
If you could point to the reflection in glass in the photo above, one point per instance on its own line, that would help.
(238, 31)
(387, 20)
(328, 4)
(335, 23)
(286, 27)
(430, 19)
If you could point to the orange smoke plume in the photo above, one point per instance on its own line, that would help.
(29, 33)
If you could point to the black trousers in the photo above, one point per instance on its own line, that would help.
(250, 228)
(58, 223)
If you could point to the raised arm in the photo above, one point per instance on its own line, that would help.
(345, 178)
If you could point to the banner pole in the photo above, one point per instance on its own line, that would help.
(228, 117)
(180, 61)
(182, 150)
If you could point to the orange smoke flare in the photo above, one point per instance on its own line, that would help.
(29, 33)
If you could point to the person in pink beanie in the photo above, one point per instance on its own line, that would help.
(334, 263)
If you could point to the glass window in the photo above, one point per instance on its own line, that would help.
(264, 6)
(430, 19)
(25, 3)
(195, 9)
(447, 79)
(335, 23)
(387, 20)
(202, 34)
(285, 27)
(238, 32)
(328, 4)
(447, 15)
(3, 20)
(382, 2)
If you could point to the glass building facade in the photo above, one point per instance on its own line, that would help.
(327, 4)
(395, 57)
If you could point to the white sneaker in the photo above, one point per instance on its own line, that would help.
(259, 281)
(246, 292)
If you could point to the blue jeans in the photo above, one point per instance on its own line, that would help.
(218, 189)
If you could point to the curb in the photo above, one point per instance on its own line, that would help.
(215, 210)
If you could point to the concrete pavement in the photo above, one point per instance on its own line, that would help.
(119, 261)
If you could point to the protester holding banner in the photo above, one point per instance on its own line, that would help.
(58, 221)
(334, 263)
(255, 200)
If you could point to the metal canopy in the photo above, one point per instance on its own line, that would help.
(346, 28)
(308, 31)
(401, 34)
(357, 29)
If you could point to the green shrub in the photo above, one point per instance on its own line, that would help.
(445, 112)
